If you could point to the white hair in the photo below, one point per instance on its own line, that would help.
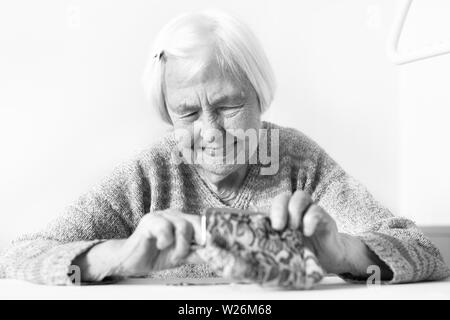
(233, 44)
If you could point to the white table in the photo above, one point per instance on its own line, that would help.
(329, 288)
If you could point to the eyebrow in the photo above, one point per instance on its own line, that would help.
(185, 108)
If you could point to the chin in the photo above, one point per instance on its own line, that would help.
(218, 171)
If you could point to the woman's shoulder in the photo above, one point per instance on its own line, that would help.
(157, 154)
(292, 141)
(159, 148)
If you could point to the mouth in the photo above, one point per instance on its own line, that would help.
(214, 150)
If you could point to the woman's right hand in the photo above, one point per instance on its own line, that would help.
(162, 240)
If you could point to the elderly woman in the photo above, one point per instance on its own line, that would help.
(210, 79)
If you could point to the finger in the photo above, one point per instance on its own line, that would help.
(163, 231)
(314, 217)
(183, 236)
(195, 221)
(298, 205)
(279, 211)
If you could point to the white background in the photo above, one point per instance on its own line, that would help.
(72, 106)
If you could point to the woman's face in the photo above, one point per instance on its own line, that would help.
(207, 111)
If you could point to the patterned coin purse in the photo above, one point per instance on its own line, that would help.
(242, 246)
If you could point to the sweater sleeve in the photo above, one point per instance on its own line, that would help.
(108, 211)
(395, 240)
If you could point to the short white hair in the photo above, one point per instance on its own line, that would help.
(235, 46)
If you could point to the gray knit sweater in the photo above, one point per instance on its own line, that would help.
(153, 181)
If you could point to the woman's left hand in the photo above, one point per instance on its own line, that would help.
(298, 211)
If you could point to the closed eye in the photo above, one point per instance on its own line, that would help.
(231, 111)
(189, 115)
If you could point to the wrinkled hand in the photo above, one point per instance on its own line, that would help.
(162, 240)
(298, 211)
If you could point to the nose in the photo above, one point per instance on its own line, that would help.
(209, 127)
(207, 136)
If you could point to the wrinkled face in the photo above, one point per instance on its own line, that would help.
(207, 111)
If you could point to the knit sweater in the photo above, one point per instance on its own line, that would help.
(152, 181)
